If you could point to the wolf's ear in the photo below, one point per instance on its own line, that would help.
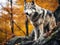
(32, 2)
(24, 1)
(24, 4)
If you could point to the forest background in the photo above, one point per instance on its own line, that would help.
(19, 17)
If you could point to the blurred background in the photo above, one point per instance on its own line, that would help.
(13, 21)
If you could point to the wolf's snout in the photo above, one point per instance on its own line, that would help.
(26, 13)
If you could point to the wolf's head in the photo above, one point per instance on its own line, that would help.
(29, 7)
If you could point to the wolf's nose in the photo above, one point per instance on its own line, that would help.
(26, 13)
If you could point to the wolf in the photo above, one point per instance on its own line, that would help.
(42, 19)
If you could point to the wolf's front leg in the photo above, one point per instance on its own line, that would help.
(40, 33)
